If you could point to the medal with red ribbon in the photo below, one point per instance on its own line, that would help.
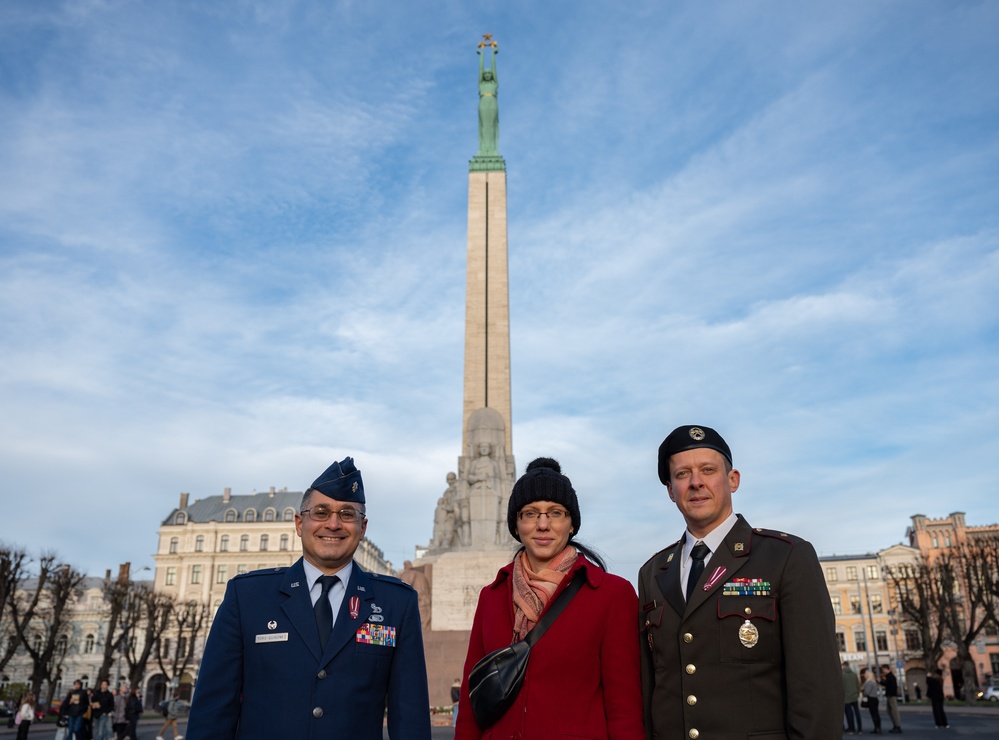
(355, 607)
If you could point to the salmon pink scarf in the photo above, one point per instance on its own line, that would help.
(532, 591)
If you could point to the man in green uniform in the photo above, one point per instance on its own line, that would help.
(737, 627)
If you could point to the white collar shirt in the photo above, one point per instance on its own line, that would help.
(336, 592)
(712, 539)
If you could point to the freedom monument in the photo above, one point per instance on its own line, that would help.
(470, 538)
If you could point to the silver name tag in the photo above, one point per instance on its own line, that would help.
(273, 637)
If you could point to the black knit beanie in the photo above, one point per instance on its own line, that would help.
(542, 481)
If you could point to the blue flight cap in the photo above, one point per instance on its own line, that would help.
(341, 481)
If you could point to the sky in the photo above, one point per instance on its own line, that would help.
(232, 250)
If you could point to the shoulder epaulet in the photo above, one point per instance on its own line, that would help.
(261, 572)
(661, 552)
(777, 535)
(382, 578)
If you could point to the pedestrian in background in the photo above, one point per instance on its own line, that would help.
(935, 693)
(25, 715)
(870, 692)
(851, 693)
(173, 714)
(890, 684)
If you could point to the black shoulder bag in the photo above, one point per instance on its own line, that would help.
(495, 680)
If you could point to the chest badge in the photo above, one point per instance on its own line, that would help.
(748, 634)
(272, 625)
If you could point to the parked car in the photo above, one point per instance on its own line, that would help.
(991, 693)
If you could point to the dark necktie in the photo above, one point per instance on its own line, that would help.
(324, 612)
(697, 555)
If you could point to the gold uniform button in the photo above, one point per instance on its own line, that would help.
(693, 734)
(691, 700)
(748, 610)
(691, 669)
(687, 637)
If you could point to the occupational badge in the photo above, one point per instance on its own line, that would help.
(272, 625)
(748, 634)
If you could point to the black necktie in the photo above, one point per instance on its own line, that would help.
(697, 555)
(324, 612)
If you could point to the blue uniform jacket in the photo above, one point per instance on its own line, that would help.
(263, 674)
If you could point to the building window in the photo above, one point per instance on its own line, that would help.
(264, 540)
(88, 644)
(250, 515)
(244, 542)
(836, 605)
(876, 606)
(946, 540)
(851, 572)
(181, 518)
(171, 576)
(182, 645)
(289, 514)
(199, 543)
(860, 640)
(284, 542)
(230, 515)
(994, 659)
(855, 605)
(841, 641)
(936, 542)
(241, 568)
(831, 576)
(872, 572)
(36, 642)
(174, 544)
(269, 515)
(912, 641)
(85, 680)
(224, 543)
(881, 640)
(63, 645)
(195, 574)
(220, 574)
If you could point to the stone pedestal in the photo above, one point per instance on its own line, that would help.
(457, 579)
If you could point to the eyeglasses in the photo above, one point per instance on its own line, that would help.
(346, 515)
(530, 515)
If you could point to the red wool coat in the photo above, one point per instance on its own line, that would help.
(583, 679)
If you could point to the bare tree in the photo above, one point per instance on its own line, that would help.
(189, 622)
(116, 594)
(44, 634)
(147, 616)
(917, 589)
(970, 606)
(13, 571)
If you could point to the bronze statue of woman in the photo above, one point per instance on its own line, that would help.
(488, 105)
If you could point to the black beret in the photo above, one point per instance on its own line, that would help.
(689, 437)
(341, 481)
(542, 481)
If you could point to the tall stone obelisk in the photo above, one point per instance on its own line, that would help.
(487, 294)
(471, 540)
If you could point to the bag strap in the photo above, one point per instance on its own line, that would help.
(556, 608)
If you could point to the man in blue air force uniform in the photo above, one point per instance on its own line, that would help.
(320, 649)
(737, 628)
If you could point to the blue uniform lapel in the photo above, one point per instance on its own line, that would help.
(346, 626)
(298, 606)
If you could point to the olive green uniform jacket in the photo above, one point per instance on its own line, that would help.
(753, 655)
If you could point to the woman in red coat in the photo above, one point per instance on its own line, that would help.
(583, 677)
